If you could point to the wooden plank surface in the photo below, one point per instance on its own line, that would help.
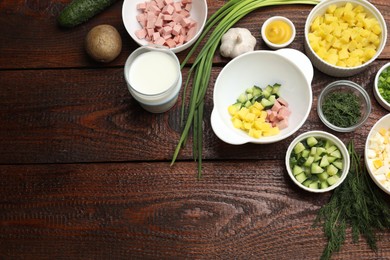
(85, 171)
(149, 210)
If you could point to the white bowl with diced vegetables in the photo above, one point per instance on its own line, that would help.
(377, 153)
(317, 161)
(262, 97)
(176, 24)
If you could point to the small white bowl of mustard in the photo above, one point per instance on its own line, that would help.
(278, 32)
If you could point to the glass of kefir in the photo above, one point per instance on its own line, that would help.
(153, 77)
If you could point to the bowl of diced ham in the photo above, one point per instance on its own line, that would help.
(262, 96)
(175, 24)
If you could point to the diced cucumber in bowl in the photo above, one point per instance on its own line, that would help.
(317, 161)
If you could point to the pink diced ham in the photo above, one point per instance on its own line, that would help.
(177, 6)
(159, 41)
(160, 4)
(168, 19)
(282, 124)
(284, 113)
(168, 9)
(141, 33)
(141, 6)
(282, 101)
(188, 7)
(176, 29)
(276, 106)
(170, 42)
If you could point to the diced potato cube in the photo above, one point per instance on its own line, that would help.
(254, 133)
(237, 123)
(343, 54)
(331, 9)
(250, 117)
(271, 132)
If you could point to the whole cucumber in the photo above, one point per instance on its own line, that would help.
(79, 11)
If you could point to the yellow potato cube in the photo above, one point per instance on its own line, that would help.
(369, 53)
(254, 133)
(258, 105)
(232, 110)
(237, 123)
(339, 12)
(332, 58)
(348, 7)
(250, 117)
(331, 9)
(242, 113)
(343, 54)
(271, 132)
(246, 125)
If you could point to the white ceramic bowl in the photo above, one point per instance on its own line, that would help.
(289, 67)
(129, 13)
(377, 95)
(323, 135)
(384, 122)
(328, 68)
(272, 45)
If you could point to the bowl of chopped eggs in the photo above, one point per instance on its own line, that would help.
(344, 106)
(343, 37)
(382, 86)
(377, 153)
(262, 96)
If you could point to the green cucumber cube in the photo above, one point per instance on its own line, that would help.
(313, 151)
(328, 144)
(309, 161)
(301, 177)
(331, 149)
(307, 182)
(338, 164)
(313, 185)
(298, 148)
(331, 170)
(297, 170)
(323, 176)
(332, 180)
(311, 141)
(242, 98)
(324, 161)
(305, 153)
(336, 154)
(316, 169)
(324, 185)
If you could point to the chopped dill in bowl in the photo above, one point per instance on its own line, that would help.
(343, 106)
(342, 109)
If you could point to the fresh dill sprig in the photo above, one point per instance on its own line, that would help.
(356, 203)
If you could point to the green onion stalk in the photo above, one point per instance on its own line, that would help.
(221, 21)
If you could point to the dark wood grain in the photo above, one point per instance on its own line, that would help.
(151, 210)
(85, 172)
(88, 115)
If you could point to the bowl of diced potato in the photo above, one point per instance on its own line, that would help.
(343, 37)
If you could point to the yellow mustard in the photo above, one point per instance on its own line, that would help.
(278, 32)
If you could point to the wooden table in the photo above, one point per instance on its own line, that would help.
(85, 171)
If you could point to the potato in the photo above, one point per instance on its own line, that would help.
(103, 43)
(345, 35)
